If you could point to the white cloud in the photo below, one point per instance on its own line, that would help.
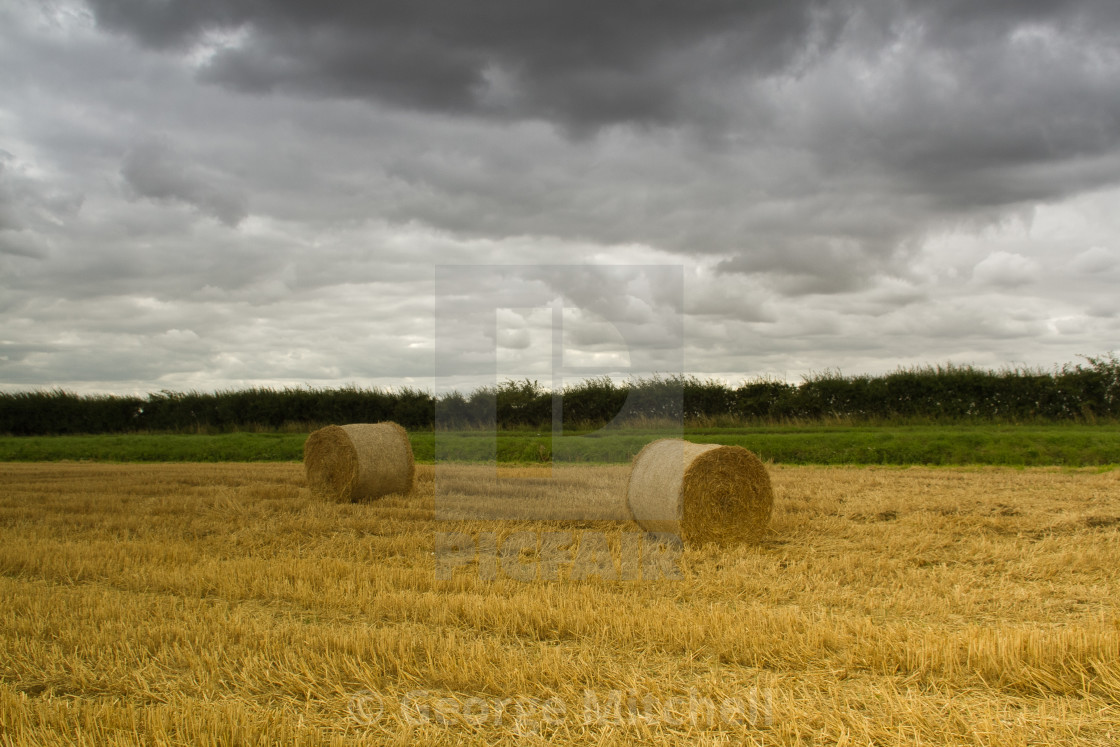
(1096, 260)
(1006, 270)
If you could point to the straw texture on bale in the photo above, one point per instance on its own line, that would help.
(358, 462)
(700, 492)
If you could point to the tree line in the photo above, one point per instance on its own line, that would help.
(1070, 393)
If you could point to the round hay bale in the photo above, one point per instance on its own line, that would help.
(358, 462)
(700, 492)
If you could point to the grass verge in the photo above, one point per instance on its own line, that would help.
(1067, 445)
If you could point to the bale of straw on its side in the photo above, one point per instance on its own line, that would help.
(358, 462)
(700, 492)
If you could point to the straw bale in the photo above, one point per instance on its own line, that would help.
(700, 492)
(358, 462)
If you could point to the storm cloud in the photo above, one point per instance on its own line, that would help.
(583, 63)
(853, 184)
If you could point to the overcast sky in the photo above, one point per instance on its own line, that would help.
(202, 194)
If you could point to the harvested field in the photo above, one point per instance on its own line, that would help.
(220, 603)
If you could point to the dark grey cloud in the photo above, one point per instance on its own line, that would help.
(1012, 118)
(579, 63)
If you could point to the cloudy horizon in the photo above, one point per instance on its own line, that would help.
(220, 194)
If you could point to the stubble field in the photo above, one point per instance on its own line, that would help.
(218, 604)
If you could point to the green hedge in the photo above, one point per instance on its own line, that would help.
(1071, 393)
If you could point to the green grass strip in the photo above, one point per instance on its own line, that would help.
(1066, 445)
